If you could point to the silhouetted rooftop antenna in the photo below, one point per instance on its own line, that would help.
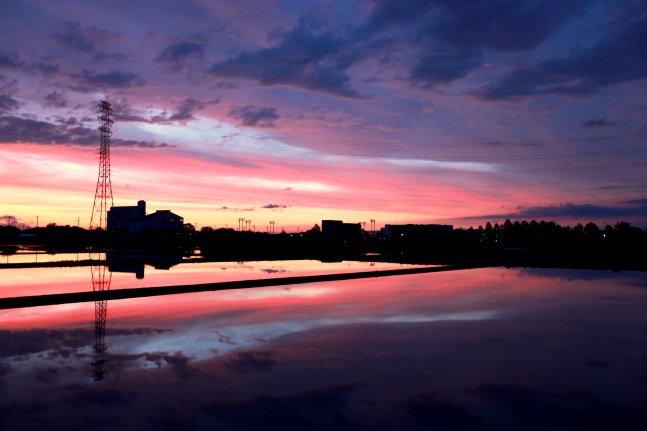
(103, 193)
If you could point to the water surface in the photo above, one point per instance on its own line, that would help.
(43, 281)
(471, 349)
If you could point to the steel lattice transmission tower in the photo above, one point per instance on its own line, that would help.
(103, 194)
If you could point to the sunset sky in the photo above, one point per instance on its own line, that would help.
(296, 111)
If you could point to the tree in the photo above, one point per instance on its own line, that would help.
(591, 230)
(315, 229)
(9, 232)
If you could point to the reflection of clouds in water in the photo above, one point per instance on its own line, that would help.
(246, 362)
(465, 351)
(273, 271)
(201, 343)
(36, 349)
(276, 292)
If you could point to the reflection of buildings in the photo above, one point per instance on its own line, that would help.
(135, 262)
(133, 220)
(101, 278)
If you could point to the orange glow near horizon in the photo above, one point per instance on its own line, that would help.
(209, 191)
(200, 191)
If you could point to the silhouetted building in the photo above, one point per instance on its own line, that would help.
(163, 220)
(125, 218)
(338, 229)
(133, 219)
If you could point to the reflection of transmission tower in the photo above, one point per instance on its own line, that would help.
(103, 193)
(101, 278)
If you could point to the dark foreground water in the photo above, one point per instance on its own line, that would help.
(474, 349)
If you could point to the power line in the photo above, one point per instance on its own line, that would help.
(413, 144)
(493, 143)
(445, 170)
(462, 157)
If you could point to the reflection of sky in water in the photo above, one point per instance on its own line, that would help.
(23, 282)
(476, 349)
(39, 256)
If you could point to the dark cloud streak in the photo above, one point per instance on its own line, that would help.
(274, 206)
(186, 109)
(8, 103)
(255, 116)
(451, 37)
(303, 59)
(112, 79)
(602, 122)
(178, 55)
(632, 209)
(88, 40)
(55, 100)
(618, 57)
(15, 130)
(12, 60)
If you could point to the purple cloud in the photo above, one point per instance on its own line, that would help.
(178, 55)
(186, 109)
(55, 100)
(255, 116)
(303, 59)
(602, 122)
(630, 210)
(88, 40)
(10, 59)
(7, 103)
(618, 56)
(15, 129)
(112, 79)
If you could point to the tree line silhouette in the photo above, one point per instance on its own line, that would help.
(519, 243)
